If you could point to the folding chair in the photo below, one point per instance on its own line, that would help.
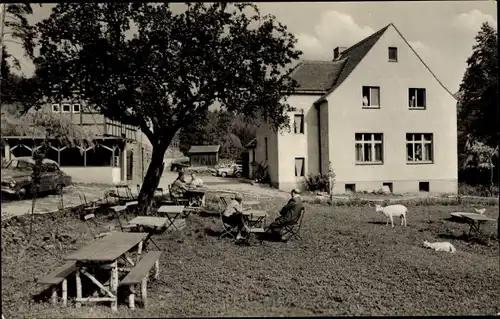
(228, 229)
(95, 234)
(293, 230)
(177, 201)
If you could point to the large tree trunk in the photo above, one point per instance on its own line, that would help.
(152, 178)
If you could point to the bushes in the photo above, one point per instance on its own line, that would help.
(320, 182)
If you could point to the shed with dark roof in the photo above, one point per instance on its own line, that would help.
(204, 155)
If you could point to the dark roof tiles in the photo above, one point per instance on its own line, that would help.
(204, 149)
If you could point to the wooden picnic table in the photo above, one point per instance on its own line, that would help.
(149, 221)
(104, 254)
(196, 196)
(473, 219)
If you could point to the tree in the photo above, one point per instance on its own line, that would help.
(14, 28)
(478, 95)
(174, 67)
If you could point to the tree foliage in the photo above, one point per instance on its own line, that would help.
(171, 70)
(478, 95)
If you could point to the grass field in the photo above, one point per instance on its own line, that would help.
(348, 263)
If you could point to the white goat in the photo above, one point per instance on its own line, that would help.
(480, 211)
(440, 246)
(390, 211)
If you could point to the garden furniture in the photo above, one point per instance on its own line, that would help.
(152, 225)
(196, 197)
(474, 220)
(59, 276)
(171, 213)
(104, 254)
(177, 201)
(95, 234)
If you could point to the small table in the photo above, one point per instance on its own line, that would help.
(474, 220)
(196, 196)
(104, 253)
(171, 213)
(254, 218)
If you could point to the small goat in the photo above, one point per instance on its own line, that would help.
(391, 211)
(480, 211)
(440, 246)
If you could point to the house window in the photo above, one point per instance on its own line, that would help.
(265, 142)
(416, 98)
(393, 54)
(298, 124)
(369, 148)
(371, 96)
(66, 108)
(388, 185)
(55, 108)
(76, 108)
(419, 148)
(423, 186)
(299, 166)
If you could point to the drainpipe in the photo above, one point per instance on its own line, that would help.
(317, 107)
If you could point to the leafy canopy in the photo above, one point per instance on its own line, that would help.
(478, 95)
(166, 74)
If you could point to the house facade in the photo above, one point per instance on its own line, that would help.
(376, 113)
(121, 153)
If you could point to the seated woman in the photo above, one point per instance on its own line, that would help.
(233, 216)
(179, 187)
(195, 181)
(289, 214)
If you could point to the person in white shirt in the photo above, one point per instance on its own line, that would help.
(195, 181)
(233, 216)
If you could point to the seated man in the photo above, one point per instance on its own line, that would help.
(179, 187)
(289, 214)
(195, 181)
(233, 216)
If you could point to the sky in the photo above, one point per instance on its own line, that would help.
(442, 32)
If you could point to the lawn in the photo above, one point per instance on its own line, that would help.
(348, 263)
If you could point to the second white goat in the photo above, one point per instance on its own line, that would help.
(390, 211)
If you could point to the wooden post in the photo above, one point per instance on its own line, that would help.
(139, 252)
(157, 268)
(65, 292)
(78, 288)
(144, 292)
(114, 284)
(131, 298)
(54, 295)
(59, 156)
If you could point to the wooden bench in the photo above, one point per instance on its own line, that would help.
(57, 277)
(139, 275)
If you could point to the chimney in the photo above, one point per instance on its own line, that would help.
(337, 52)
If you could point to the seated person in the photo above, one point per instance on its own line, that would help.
(179, 187)
(233, 216)
(289, 214)
(195, 181)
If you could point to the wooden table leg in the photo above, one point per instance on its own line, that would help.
(139, 252)
(65, 293)
(78, 288)
(144, 292)
(114, 285)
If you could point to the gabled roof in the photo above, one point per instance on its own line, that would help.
(353, 55)
(204, 149)
(316, 76)
(326, 76)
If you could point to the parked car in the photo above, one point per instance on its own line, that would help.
(16, 177)
(233, 170)
(180, 164)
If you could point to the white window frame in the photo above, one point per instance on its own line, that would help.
(415, 107)
(62, 108)
(79, 108)
(54, 106)
(371, 141)
(303, 167)
(298, 130)
(422, 143)
(389, 54)
(369, 105)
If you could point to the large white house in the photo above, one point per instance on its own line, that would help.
(376, 113)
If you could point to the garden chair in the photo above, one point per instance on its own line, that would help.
(228, 229)
(95, 233)
(177, 201)
(293, 230)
